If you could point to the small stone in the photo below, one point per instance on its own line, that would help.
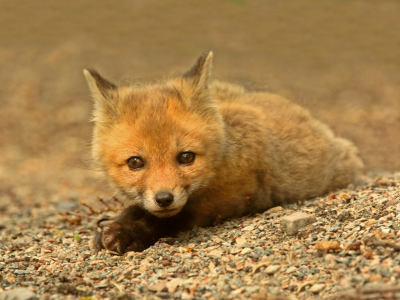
(173, 284)
(67, 206)
(101, 285)
(237, 282)
(252, 289)
(238, 291)
(392, 202)
(245, 251)
(66, 289)
(215, 253)
(293, 223)
(325, 246)
(158, 287)
(116, 258)
(18, 294)
(23, 241)
(241, 241)
(329, 257)
(63, 277)
(375, 262)
(272, 269)
(166, 263)
(187, 255)
(333, 229)
(234, 251)
(344, 216)
(122, 296)
(248, 228)
(316, 288)
(291, 270)
(186, 296)
(21, 272)
(354, 246)
(163, 295)
(274, 210)
(84, 255)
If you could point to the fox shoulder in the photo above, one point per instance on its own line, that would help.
(225, 91)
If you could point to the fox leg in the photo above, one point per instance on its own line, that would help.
(136, 229)
(123, 232)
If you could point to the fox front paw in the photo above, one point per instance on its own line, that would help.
(118, 238)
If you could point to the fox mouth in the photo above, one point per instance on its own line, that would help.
(166, 212)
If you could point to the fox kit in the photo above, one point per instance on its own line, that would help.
(188, 150)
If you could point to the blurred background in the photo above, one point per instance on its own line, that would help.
(338, 58)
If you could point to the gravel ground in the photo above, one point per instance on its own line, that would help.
(350, 252)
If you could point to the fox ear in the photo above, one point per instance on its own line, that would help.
(103, 92)
(100, 87)
(201, 71)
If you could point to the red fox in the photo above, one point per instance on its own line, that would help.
(189, 150)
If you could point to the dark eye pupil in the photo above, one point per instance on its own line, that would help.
(186, 158)
(135, 163)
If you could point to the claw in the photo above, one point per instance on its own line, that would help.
(119, 238)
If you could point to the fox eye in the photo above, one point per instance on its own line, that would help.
(135, 163)
(186, 158)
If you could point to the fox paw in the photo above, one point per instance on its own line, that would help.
(118, 238)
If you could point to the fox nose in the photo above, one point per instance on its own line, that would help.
(164, 199)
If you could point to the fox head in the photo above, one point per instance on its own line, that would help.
(159, 144)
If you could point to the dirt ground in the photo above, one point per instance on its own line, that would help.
(340, 59)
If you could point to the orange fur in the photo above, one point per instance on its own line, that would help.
(246, 143)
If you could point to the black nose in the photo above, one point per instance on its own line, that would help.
(164, 199)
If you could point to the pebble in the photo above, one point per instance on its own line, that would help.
(290, 270)
(158, 287)
(186, 296)
(248, 228)
(392, 202)
(241, 241)
(272, 269)
(166, 263)
(293, 223)
(215, 253)
(329, 257)
(67, 206)
(173, 284)
(23, 241)
(333, 229)
(162, 296)
(245, 251)
(18, 294)
(252, 289)
(21, 272)
(274, 210)
(317, 288)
